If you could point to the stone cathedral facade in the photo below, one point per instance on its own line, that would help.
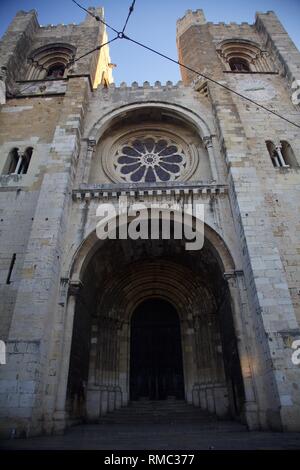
(90, 325)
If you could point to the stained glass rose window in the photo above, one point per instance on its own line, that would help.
(150, 159)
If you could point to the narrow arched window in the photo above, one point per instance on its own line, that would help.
(280, 154)
(238, 64)
(288, 154)
(56, 71)
(12, 162)
(26, 157)
(16, 163)
(273, 154)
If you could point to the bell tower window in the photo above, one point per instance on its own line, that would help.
(50, 62)
(238, 64)
(241, 55)
(56, 71)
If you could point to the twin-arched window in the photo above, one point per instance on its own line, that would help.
(18, 163)
(282, 155)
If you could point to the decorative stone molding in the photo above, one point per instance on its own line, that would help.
(43, 58)
(68, 287)
(41, 87)
(74, 288)
(200, 84)
(250, 51)
(233, 274)
(112, 191)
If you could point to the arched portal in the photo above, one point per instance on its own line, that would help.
(156, 371)
(118, 278)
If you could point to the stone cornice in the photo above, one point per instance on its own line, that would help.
(114, 190)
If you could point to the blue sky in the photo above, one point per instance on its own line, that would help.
(154, 23)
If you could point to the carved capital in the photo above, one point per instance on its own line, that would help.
(74, 288)
(231, 276)
(91, 145)
(207, 140)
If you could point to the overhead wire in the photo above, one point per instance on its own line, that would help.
(93, 50)
(122, 35)
(231, 90)
(131, 8)
(97, 18)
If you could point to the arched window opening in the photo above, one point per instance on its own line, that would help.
(56, 71)
(17, 164)
(288, 154)
(12, 162)
(279, 158)
(50, 62)
(237, 64)
(240, 55)
(26, 157)
(272, 153)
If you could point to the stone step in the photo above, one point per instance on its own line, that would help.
(161, 412)
(153, 410)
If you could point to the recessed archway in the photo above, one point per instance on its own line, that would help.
(118, 276)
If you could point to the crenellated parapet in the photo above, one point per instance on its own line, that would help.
(191, 18)
(169, 85)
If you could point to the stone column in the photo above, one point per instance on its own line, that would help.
(88, 160)
(188, 345)
(124, 339)
(207, 140)
(280, 156)
(239, 312)
(59, 416)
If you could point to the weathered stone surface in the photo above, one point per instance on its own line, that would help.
(67, 298)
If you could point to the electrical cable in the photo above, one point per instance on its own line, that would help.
(97, 18)
(131, 8)
(93, 50)
(210, 79)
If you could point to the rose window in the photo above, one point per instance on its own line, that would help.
(150, 160)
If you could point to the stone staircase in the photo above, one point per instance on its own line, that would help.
(145, 412)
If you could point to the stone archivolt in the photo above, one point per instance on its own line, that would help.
(246, 50)
(42, 59)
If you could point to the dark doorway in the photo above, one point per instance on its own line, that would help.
(156, 371)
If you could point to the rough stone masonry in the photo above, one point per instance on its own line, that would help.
(70, 140)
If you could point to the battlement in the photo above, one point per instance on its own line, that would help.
(88, 21)
(146, 85)
(191, 18)
(232, 24)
